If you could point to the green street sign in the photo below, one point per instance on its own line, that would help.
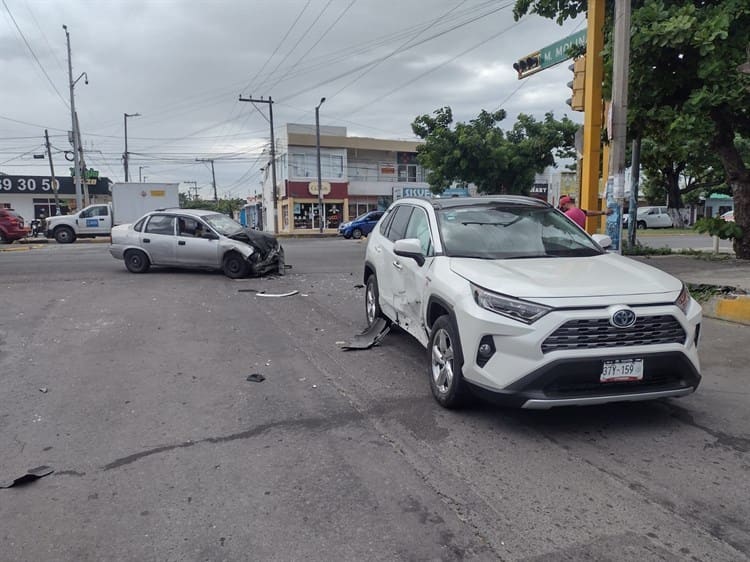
(557, 52)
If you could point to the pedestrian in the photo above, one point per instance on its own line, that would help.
(568, 203)
(568, 206)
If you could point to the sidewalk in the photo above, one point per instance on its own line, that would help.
(728, 280)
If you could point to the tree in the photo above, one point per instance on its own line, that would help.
(225, 206)
(480, 152)
(685, 57)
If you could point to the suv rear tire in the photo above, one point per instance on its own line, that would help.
(446, 360)
(357, 233)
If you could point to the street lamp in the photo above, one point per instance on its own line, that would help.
(320, 179)
(125, 156)
(140, 169)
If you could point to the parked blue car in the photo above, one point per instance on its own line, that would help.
(361, 226)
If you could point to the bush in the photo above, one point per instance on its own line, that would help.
(716, 226)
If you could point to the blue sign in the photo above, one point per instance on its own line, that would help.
(417, 192)
(92, 222)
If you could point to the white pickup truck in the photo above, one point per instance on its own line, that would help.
(130, 201)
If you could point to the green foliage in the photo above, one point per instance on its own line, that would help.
(480, 152)
(716, 226)
(224, 206)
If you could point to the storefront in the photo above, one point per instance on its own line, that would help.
(32, 196)
(300, 209)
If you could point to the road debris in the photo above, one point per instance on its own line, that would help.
(256, 377)
(359, 286)
(370, 337)
(31, 475)
(264, 294)
(44, 390)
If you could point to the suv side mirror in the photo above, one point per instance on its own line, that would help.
(409, 248)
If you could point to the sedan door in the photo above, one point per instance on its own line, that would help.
(159, 240)
(193, 248)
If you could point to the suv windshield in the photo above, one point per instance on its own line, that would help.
(499, 231)
(223, 224)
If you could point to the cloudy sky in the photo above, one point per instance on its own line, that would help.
(182, 64)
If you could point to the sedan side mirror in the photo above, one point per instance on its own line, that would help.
(409, 248)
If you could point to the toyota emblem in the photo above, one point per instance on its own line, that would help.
(622, 318)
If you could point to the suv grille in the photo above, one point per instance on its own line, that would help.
(594, 333)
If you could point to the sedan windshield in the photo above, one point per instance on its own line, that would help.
(223, 224)
(511, 231)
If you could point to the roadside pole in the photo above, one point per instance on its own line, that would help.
(619, 118)
(52, 172)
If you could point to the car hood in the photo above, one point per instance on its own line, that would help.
(595, 276)
(262, 242)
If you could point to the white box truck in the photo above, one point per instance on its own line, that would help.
(130, 201)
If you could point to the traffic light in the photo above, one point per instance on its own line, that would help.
(577, 84)
(528, 65)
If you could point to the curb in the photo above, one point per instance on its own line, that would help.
(732, 308)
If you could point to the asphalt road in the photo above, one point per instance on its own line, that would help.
(163, 450)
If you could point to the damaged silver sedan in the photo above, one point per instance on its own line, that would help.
(196, 239)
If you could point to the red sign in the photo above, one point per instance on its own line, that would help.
(301, 189)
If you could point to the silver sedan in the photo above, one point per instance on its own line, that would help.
(196, 239)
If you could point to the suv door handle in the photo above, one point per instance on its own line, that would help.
(398, 265)
(146, 240)
(181, 243)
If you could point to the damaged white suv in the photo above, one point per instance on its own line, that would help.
(516, 302)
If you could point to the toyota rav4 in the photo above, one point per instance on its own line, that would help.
(515, 302)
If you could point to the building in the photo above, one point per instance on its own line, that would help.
(31, 196)
(359, 174)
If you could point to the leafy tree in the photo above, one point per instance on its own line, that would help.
(685, 56)
(480, 152)
(225, 206)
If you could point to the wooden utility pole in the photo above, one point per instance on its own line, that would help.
(275, 195)
(592, 119)
(213, 175)
(52, 172)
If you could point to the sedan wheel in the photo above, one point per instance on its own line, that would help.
(136, 261)
(446, 381)
(235, 266)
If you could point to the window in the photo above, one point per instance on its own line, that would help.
(332, 165)
(98, 211)
(399, 222)
(300, 165)
(139, 225)
(160, 224)
(187, 226)
(419, 228)
(409, 173)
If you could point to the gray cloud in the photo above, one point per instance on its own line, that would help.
(183, 64)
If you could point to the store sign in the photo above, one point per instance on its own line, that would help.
(420, 192)
(313, 187)
(28, 184)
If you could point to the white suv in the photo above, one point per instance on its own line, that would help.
(516, 302)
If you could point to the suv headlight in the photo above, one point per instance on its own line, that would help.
(683, 300)
(517, 309)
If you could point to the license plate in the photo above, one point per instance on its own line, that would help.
(620, 370)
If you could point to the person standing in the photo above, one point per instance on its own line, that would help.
(568, 206)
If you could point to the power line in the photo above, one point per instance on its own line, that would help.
(33, 54)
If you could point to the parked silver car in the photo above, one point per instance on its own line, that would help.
(194, 238)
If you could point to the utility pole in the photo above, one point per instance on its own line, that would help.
(125, 156)
(75, 133)
(620, 66)
(321, 214)
(275, 196)
(52, 172)
(195, 189)
(213, 175)
(635, 175)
